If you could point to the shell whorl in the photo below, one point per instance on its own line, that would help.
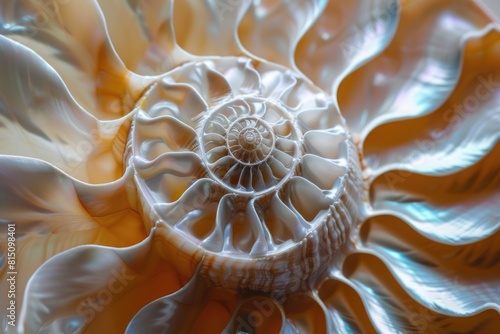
(250, 169)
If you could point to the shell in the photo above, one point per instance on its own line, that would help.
(250, 167)
(265, 166)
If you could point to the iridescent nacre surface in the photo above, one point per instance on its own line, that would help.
(239, 166)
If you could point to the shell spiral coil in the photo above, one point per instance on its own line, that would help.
(250, 165)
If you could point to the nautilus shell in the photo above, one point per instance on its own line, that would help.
(249, 166)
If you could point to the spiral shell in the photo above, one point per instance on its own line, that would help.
(257, 166)
(249, 164)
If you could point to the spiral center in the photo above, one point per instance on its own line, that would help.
(250, 146)
(250, 139)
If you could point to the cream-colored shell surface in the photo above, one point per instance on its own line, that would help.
(249, 166)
